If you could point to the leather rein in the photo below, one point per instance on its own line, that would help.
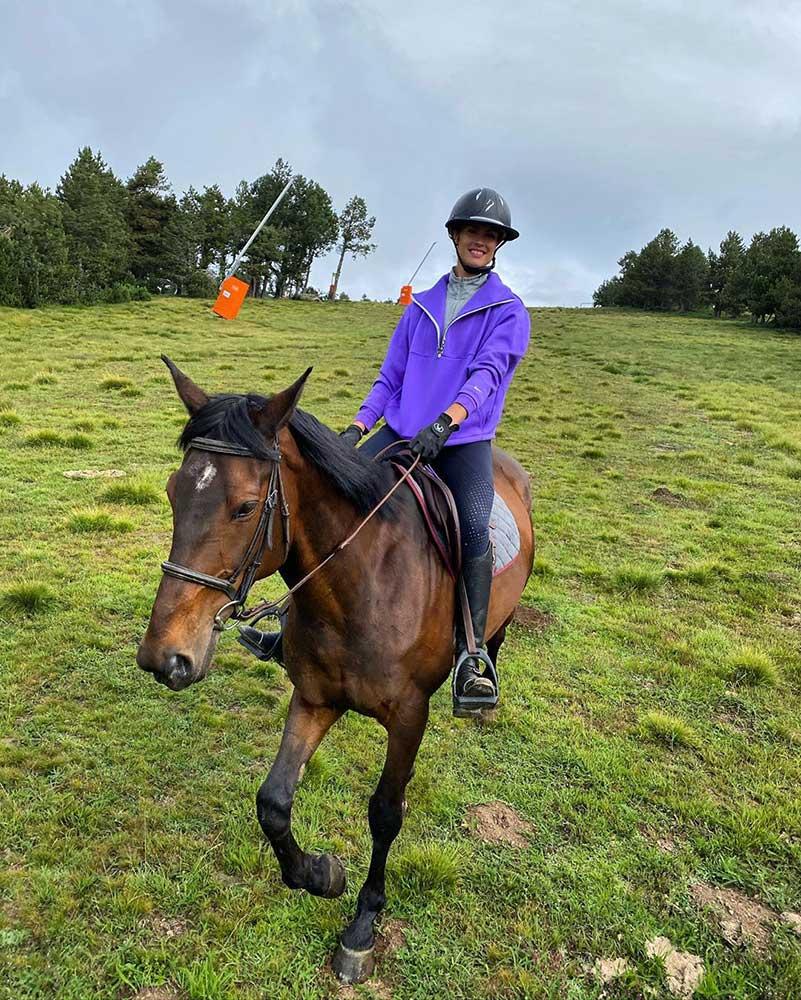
(261, 541)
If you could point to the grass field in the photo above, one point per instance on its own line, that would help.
(650, 728)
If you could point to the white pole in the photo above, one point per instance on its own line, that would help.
(411, 280)
(258, 229)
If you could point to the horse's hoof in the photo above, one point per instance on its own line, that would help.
(331, 879)
(353, 966)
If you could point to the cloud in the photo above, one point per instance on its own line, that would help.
(599, 124)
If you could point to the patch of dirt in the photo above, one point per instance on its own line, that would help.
(793, 919)
(156, 993)
(391, 936)
(684, 971)
(742, 920)
(669, 498)
(166, 927)
(606, 970)
(667, 844)
(532, 619)
(94, 474)
(498, 823)
(373, 989)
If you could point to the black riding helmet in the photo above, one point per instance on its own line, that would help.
(482, 205)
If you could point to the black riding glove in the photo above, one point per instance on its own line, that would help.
(429, 442)
(352, 435)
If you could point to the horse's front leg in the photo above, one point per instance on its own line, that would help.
(354, 959)
(320, 874)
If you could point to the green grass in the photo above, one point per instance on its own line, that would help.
(27, 598)
(116, 382)
(657, 695)
(98, 521)
(752, 667)
(135, 493)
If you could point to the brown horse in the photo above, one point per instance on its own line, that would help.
(372, 631)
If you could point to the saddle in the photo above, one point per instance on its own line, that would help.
(435, 501)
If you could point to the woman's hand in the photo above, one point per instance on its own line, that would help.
(352, 435)
(430, 441)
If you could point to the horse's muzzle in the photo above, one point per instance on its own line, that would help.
(175, 671)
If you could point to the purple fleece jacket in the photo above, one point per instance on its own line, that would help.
(471, 362)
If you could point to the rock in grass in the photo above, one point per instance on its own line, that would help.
(27, 598)
(93, 474)
(92, 520)
(683, 971)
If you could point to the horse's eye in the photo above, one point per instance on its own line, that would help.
(245, 509)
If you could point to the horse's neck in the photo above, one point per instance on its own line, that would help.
(320, 519)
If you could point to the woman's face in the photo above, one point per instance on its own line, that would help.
(477, 243)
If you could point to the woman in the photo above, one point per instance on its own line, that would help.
(442, 385)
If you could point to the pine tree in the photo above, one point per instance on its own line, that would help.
(151, 212)
(355, 230)
(93, 204)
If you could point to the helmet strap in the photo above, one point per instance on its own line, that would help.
(471, 268)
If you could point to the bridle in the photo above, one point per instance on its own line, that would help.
(262, 537)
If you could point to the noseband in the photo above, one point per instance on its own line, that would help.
(262, 537)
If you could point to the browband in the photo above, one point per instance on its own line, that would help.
(227, 448)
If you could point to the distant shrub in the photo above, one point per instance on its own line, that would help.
(130, 391)
(201, 285)
(46, 378)
(123, 292)
(8, 418)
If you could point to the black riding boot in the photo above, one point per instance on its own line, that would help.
(264, 645)
(475, 680)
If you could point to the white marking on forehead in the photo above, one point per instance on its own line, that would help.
(205, 476)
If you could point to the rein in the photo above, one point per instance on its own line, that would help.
(262, 539)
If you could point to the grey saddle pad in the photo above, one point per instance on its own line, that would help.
(504, 535)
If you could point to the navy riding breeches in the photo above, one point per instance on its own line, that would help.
(467, 470)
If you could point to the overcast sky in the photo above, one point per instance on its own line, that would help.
(599, 123)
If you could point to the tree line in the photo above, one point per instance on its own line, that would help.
(762, 279)
(99, 238)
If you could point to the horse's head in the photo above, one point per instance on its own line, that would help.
(218, 505)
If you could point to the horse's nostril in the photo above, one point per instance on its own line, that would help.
(179, 667)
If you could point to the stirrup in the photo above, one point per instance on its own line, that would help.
(471, 706)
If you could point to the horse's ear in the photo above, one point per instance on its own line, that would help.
(192, 396)
(279, 408)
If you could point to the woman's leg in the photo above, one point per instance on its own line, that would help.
(467, 470)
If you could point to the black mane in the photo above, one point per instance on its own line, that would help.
(355, 476)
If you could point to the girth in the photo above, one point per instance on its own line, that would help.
(261, 540)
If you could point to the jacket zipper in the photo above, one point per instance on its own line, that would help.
(470, 312)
